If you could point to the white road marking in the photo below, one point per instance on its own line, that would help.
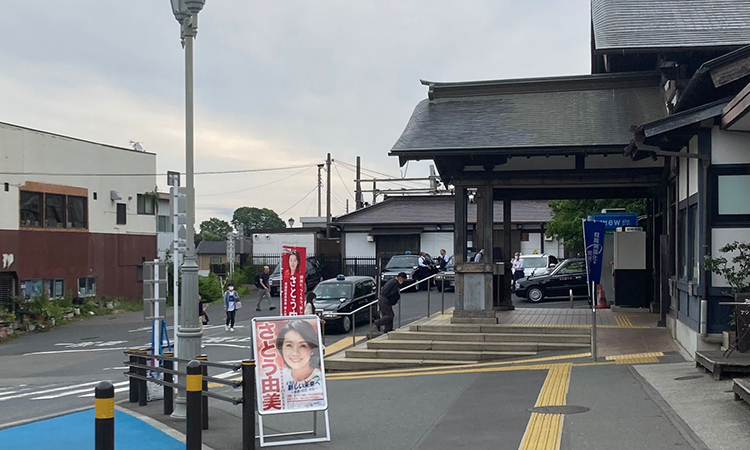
(83, 350)
(115, 368)
(77, 391)
(228, 345)
(26, 394)
(117, 391)
(8, 392)
(90, 344)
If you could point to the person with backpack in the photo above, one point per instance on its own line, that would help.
(389, 296)
(231, 305)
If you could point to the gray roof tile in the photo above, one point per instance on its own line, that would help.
(421, 210)
(632, 24)
(220, 247)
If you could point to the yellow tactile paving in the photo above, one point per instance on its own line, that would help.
(545, 430)
(636, 358)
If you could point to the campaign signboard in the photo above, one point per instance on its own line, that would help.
(289, 370)
(593, 241)
(293, 283)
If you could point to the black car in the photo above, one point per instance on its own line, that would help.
(345, 294)
(408, 264)
(313, 276)
(555, 282)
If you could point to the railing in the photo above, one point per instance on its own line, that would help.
(197, 420)
(370, 304)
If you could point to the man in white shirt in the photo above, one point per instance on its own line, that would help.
(517, 265)
(479, 256)
(421, 272)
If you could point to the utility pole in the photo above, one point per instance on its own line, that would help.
(320, 188)
(358, 203)
(347, 206)
(374, 193)
(328, 196)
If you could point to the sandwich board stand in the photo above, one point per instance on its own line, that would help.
(290, 376)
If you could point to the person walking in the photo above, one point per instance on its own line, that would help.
(231, 304)
(389, 296)
(518, 271)
(202, 317)
(310, 303)
(264, 290)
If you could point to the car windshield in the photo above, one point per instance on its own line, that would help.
(325, 291)
(402, 262)
(277, 270)
(534, 262)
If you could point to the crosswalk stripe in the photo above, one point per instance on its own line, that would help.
(26, 394)
(74, 392)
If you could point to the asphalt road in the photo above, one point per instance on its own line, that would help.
(48, 373)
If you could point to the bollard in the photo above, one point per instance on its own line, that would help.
(442, 297)
(429, 289)
(248, 405)
(168, 391)
(133, 386)
(142, 384)
(193, 394)
(104, 416)
(204, 388)
(571, 298)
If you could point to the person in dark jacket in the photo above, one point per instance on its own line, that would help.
(389, 296)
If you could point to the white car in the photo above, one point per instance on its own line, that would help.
(536, 264)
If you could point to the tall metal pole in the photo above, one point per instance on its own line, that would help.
(190, 332)
(328, 196)
(358, 201)
(320, 190)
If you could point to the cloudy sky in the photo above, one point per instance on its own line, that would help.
(277, 83)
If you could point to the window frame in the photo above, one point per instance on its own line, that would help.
(65, 211)
(143, 205)
(39, 212)
(63, 207)
(212, 260)
(715, 172)
(124, 219)
(70, 224)
(88, 284)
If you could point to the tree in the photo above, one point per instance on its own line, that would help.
(567, 214)
(257, 218)
(215, 229)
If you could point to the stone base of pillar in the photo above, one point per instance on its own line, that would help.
(509, 307)
(473, 314)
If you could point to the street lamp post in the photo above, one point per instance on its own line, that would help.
(189, 330)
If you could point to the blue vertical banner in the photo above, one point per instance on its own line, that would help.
(593, 241)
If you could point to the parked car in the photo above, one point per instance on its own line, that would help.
(555, 282)
(409, 265)
(345, 294)
(313, 276)
(533, 264)
(449, 275)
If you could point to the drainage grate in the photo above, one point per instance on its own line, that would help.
(689, 377)
(564, 409)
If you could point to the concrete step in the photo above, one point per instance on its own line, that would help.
(503, 329)
(435, 354)
(456, 346)
(363, 364)
(489, 337)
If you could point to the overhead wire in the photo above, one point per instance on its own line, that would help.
(258, 186)
(298, 201)
(336, 166)
(213, 172)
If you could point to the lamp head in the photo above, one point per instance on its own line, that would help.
(194, 6)
(179, 10)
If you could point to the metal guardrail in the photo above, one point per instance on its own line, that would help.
(370, 304)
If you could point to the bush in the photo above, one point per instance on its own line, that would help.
(736, 271)
(209, 288)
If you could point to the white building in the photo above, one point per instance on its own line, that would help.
(75, 215)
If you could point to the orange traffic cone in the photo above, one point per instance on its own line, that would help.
(601, 298)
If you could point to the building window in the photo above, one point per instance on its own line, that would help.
(87, 286)
(122, 214)
(145, 205)
(31, 209)
(216, 259)
(682, 248)
(693, 242)
(54, 210)
(77, 212)
(163, 224)
(55, 288)
(139, 274)
(524, 237)
(730, 188)
(32, 288)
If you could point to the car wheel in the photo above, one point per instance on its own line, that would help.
(535, 294)
(346, 324)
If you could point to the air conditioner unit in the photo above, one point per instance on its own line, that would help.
(370, 238)
(114, 195)
(548, 238)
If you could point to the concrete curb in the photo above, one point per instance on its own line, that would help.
(169, 431)
(48, 416)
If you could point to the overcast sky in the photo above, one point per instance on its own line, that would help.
(277, 83)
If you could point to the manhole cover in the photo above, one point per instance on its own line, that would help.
(565, 409)
(688, 377)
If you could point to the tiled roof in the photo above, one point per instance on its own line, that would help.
(434, 210)
(220, 247)
(590, 110)
(633, 24)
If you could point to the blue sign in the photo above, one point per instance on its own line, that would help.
(593, 241)
(615, 220)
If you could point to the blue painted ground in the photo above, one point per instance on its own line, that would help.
(76, 432)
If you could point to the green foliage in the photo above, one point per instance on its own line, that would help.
(209, 288)
(735, 270)
(257, 218)
(567, 214)
(215, 229)
(7, 316)
(244, 275)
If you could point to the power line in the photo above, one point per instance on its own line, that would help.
(217, 172)
(336, 166)
(256, 187)
(298, 201)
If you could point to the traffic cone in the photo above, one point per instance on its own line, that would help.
(601, 298)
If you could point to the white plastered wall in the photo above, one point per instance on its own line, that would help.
(729, 147)
(273, 243)
(432, 242)
(357, 246)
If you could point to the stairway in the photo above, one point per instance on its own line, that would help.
(436, 342)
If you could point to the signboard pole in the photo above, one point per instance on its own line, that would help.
(593, 242)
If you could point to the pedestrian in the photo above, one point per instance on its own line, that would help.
(518, 272)
(264, 291)
(421, 272)
(389, 296)
(231, 305)
(310, 304)
(479, 256)
(202, 317)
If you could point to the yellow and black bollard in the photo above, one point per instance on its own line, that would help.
(104, 415)
(204, 387)
(168, 390)
(193, 395)
(248, 405)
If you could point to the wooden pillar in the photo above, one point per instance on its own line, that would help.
(459, 239)
(506, 301)
(488, 220)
